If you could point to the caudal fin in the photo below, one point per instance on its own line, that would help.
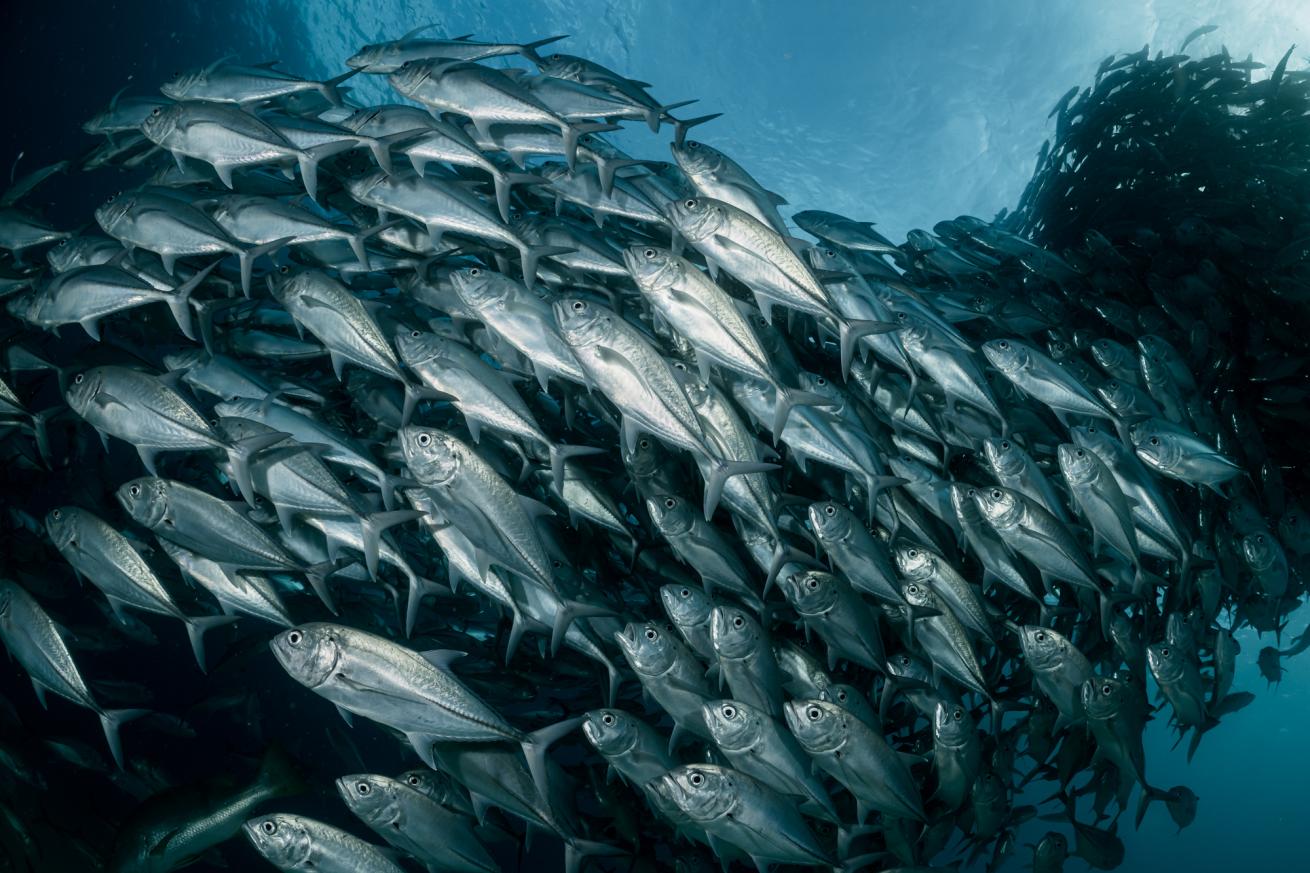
(247, 259)
(560, 454)
(180, 301)
(111, 720)
(538, 743)
(788, 398)
(371, 527)
(724, 470)
(195, 631)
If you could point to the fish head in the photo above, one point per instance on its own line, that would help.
(704, 792)
(309, 653)
(962, 501)
(905, 667)
(821, 385)
(1259, 551)
(1008, 356)
(831, 521)
(417, 347)
(84, 389)
(1294, 525)
(26, 306)
(1043, 648)
(952, 725)
(915, 562)
(1004, 456)
(111, 213)
(644, 459)
(733, 725)
(827, 257)
(562, 66)
(696, 158)
(686, 605)
(906, 467)
(696, 218)
(733, 633)
(370, 55)
(1103, 697)
(433, 783)
(1050, 851)
(1109, 354)
(479, 287)
(1079, 465)
(650, 648)
(672, 515)
(434, 457)
(849, 698)
(1115, 395)
(918, 594)
(581, 322)
(371, 797)
(162, 123)
(1165, 661)
(61, 525)
(146, 500)
(810, 592)
(413, 74)
(1000, 506)
(182, 85)
(1157, 448)
(612, 732)
(653, 268)
(282, 839)
(818, 725)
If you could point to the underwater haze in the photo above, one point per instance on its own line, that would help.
(903, 114)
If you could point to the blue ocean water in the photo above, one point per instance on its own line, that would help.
(901, 113)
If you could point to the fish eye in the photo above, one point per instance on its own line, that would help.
(579, 306)
(155, 112)
(812, 583)
(821, 382)
(1164, 653)
(284, 269)
(1003, 345)
(686, 592)
(1106, 690)
(135, 491)
(813, 713)
(78, 378)
(913, 589)
(554, 57)
(475, 272)
(607, 719)
(1040, 636)
(905, 660)
(363, 788)
(830, 253)
(643, 443)
(729, 711)
(996, 494)
(690, 204)
(841, 695)
(696, 779)
(652, 634)
(56, 515)
(958, 715)
(413, 780)
(669, 503)
(913, 553)
(1260, 539)
(1079, 453)
(693, 145)
(269, 828)
(294, 637)
(650, 253)
(1005, 445)
(415, 334)
(1155, 441)
(556, 564)
(829, 510)
(738, 622)
(424, 439)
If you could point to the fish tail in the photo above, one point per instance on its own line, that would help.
(111, 720)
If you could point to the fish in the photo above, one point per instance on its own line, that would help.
(878, 525)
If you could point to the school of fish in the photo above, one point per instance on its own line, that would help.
(638, 513)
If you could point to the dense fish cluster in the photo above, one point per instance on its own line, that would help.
(556, 464)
